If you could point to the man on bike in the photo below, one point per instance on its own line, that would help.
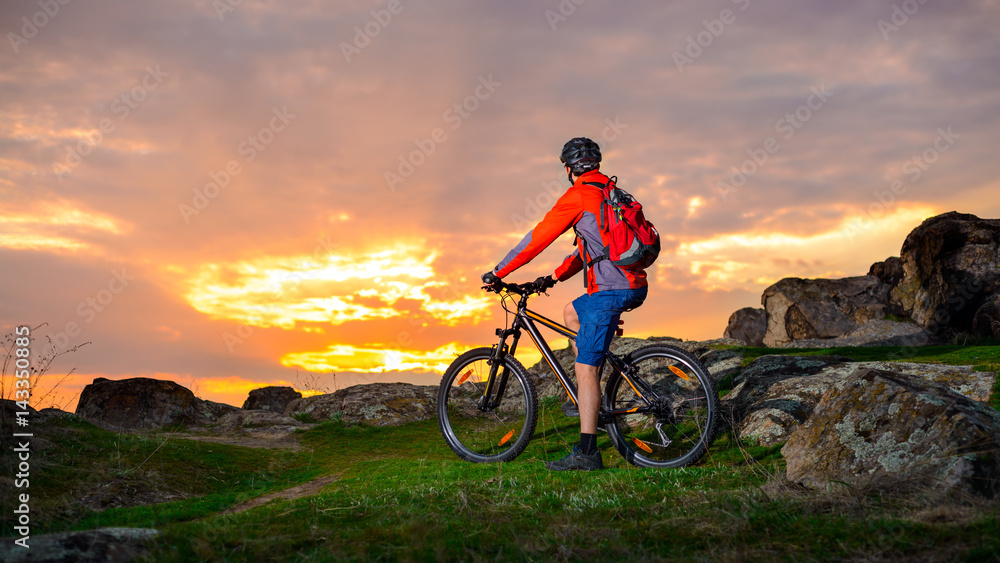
(610, 290)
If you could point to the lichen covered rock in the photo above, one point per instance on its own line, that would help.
(884, 427)
(774, 395)
(875, 333)
(375, 404)
(115, 545)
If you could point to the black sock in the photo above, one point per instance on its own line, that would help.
(588, 444)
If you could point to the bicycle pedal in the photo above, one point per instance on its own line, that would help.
(569, 409)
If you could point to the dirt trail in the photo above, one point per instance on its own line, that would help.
(305, 489)
(258, 439)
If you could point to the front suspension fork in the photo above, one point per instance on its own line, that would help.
(496, 384)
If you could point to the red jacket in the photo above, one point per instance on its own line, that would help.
(579, 207)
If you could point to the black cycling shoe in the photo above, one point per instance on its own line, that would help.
(570, 410)
(578, 461)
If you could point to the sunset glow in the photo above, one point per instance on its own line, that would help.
(374, 359)
(233, 199)
(289, 292)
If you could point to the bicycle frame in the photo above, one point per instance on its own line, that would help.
(525, 319)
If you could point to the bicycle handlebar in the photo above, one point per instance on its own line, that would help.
(528, 288)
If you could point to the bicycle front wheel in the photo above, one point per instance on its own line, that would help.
(673, 422)
(486, 428)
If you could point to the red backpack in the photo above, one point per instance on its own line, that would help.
(630, 241)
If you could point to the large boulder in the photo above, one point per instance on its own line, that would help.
(951, 266)
(144, 403)
(889, 271)
(374, 404)
(888, 429)
(800, 309)
(273, 399)
(107, 545)
(774, 395)
(986, 322)
(748, 325)
(875, 333)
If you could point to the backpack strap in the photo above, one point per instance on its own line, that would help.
(604, 202)
(586, 253)
(590, 263)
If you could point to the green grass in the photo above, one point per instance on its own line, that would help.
(401, 494)
(72, 459)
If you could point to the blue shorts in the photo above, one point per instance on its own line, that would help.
(599, 314)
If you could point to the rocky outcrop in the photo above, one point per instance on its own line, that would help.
(888, 428)
(986, 322)
(889, 271)
(748, 325)
(375, 404)
(875, 333)
(245, 419)
(273, 399)
(943, 283)
(143, 403)
(800, 309)
(114, 545)
(774, 395)
(951, 265)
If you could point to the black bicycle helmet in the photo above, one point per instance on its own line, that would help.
(581, 155)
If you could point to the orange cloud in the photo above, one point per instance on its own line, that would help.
(374, 358)
(289, 291)
(45, 226)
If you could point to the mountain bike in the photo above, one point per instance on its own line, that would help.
(660, 405)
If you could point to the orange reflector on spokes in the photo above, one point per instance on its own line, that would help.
(507, 438)
(677, 371)
(465, 376)
(643, 445)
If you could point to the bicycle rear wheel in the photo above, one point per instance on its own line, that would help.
(673, 429)
(485, 429)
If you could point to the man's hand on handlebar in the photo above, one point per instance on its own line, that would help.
(544, 282)
(490, 280)
(492, 283)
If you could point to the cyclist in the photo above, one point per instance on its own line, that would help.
(610, 289)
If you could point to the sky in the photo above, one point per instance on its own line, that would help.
(231, 194)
